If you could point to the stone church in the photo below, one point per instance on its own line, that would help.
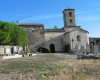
(55, 39)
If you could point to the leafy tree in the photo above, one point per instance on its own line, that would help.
(12, 34)
(19, 36)
(4, 37)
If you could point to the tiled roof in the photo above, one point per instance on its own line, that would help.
(68, 9)
(92, 39)
(54, 30)
(28, 24)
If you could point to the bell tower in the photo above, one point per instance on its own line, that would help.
(69, 17)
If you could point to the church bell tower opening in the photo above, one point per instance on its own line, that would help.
(69, 17)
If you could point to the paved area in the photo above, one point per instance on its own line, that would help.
(67, 56)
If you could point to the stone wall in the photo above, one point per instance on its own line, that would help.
(55, 38)
(67, 38)
(35, 33)
(84, 39)
(5, 49)
(66, 17)
(11, 49)
(95, 49)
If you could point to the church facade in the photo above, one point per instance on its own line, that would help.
(55, 39)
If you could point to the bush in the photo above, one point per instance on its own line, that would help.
(44, 50)
(30, 54)
(31, 49)
(67, 48)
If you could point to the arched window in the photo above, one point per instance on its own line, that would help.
(78, 38)
(32, 31)
(65, 23)
(71, 21)
(64, 15)
(70, 14)
(61, 39)
(51, 39)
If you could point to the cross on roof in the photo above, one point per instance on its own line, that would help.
(68, 7)
(72, 40)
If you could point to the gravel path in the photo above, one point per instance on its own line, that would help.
(67, 56)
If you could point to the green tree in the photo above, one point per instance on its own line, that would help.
(67, 48)
(4, 37)
(12, 34)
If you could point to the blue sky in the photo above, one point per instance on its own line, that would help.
(49, 13)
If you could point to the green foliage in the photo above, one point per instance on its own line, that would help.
(91, 49)
(44, 50)
(5, 71)
(11, 34)
(30, 54)
(50, 68)
(4, 37)
(77, 76)
(67, 48)
(91, 70)
(44, 75)
(0, 52)
(30, 49)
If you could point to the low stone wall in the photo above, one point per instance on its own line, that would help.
(9, 57)
(95, 49)
(10, 49)
(5, 49)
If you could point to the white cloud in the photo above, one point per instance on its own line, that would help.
(94, 10)
(90, 18)
(81, 12)
(39, 17)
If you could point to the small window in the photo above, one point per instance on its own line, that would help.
(70, 14)
(32, 31)
(64, 15)
(65, 23)
(78, 38)
(71, 21)
(51, 39)
(61, 39)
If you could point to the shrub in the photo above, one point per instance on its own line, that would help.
(1, 54)
(30, 54)
(31, 49)
(27, 51)
(67, 48)
(44, 50)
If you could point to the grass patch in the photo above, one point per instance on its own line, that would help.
(49, 66)
(44, 75)
(96, 61)
(5, 72)
(91, 71)
(50, 70)
(77, 76)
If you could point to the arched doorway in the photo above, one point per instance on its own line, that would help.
(52, 48)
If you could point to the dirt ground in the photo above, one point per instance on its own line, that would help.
(50, 67)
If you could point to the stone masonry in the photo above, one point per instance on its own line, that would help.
(55, 39)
